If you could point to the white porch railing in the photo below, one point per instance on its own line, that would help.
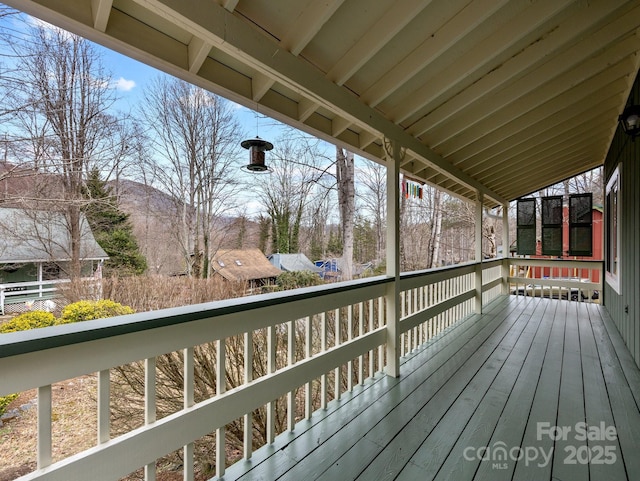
(555, 278)
(316, 343)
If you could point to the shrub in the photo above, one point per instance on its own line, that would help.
(29, 320)
(24, 322)
(88, 310)
(295, 279)
(5, 401)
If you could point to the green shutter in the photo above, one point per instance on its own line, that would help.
(526, 213)
(581, 225)
(552, 225)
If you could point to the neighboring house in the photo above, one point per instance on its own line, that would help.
(35, 248)
(332, 271)
(294, 262)
(245, 265)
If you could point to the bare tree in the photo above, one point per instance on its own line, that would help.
(60, 105)
(287, 191)
(373, 195)
(433, 255)
(345, 175)
(196, 139)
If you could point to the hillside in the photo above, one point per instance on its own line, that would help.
(153, 214)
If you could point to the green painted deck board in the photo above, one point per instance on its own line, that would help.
(384, 420)
(509, 398)
(597, 405)
(490, 379)
(464, 386)
(621, 385)
(510, 428)
(571, 403)
(477, 408)
(310, 435)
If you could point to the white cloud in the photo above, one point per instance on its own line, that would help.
(124, 85)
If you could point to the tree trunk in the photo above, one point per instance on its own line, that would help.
(346, 200)
(436, 229)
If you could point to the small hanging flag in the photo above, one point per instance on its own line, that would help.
(412, 189)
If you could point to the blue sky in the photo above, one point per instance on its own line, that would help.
(131, 78)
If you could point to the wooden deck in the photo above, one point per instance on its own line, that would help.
(500, 396)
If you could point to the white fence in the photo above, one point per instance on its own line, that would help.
(19, 297)
(556, 279)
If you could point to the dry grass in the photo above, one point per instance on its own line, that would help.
(73, 427)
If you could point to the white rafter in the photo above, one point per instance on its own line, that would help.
(308, 24)
(198, 50)
(101, 9)
(493, 96)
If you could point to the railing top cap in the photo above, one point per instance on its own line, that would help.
(49, 337)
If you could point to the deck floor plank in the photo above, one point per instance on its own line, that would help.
(623, 403)
(570, 405)
(510, 428)
(309, 437)
(602, 447)
(417, 417)
(508, 398)
(477, 409)
(386, 421)
(487, 381)
(544, 408)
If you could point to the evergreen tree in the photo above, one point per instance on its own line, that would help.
(112, 230)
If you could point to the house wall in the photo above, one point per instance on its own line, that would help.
(624, 307)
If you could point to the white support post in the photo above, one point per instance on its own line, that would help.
(349, 337)
(323, 348)
(371, 327)
(478, 239)
(381, 321)
(40, 279)
(360, 333)
(221, 387)
(271, 368)
(506, 243)
(104, 411)
(44, 426)
(291, 395)
(337, 385)
(248, 377)
(189, 400)
(308, 328)
(393, 262)
(150, 408)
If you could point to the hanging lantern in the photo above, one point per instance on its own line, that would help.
(257, 147)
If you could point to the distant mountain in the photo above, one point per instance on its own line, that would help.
(154, 215)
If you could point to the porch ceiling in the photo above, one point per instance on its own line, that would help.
(498, 96)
